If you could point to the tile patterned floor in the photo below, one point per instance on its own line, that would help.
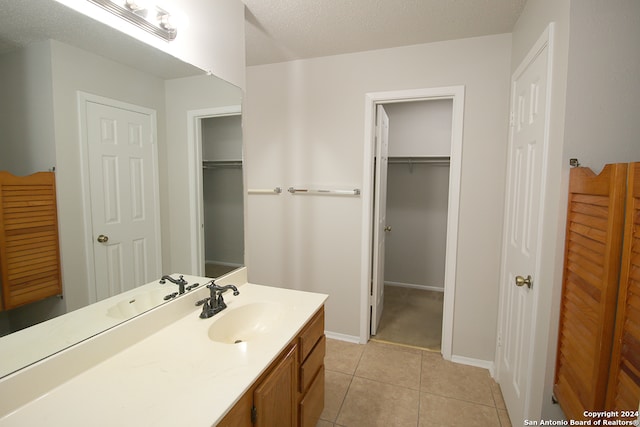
(388, 385)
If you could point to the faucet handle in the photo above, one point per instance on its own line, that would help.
(203, 301)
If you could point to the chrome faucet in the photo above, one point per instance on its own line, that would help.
(214, 304)
(180, 282)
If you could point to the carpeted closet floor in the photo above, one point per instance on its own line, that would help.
(216, 270)
(411, 317)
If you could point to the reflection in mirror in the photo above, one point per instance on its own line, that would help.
(49, 53)
(222, 191)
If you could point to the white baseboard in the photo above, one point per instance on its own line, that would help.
(228, 264)
(437, 288)
(343, 337)
(486, 364)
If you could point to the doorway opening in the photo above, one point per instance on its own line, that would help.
(217, 208)
(413, 215)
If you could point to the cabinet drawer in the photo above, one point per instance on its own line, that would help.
(313, 363)
(311, 334)
(313, 402)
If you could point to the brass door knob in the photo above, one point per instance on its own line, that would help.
(103, 239)
(521, 281)
(387, 228)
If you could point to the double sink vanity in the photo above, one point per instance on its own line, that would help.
(257, 362)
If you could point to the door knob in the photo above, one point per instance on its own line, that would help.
(387, 228)
(521, 281)
(103, 239)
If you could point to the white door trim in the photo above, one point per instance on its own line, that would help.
(544, 41)
(196, 209)
(455, 93)
(84, 98)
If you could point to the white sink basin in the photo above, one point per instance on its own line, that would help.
(246, 323)
(137, 304)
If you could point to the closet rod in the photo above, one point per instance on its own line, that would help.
(355, 192)
(212, 164)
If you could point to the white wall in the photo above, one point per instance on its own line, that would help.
(603, 91)
(420, 128)
(417, 198)
(304, 125)
(26, 140)
(211, 37)
(222, 138)
(595, 94)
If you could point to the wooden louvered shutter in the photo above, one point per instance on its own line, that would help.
(589, 289)
(623, 392)
(29, 250)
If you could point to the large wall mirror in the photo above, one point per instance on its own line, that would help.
(51, 60)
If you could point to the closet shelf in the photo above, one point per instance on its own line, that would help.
(214, 164)
(409, 160)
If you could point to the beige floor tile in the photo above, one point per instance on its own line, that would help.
(497, 395)
(504, 418)
(371, 403)
(323, 423)
(335, 390)
(342, 356)
(447, 412)
(455, 380)
(390, 364)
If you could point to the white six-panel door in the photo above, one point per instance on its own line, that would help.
(121, 156)
(526, 165)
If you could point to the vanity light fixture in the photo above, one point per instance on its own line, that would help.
(143, 14)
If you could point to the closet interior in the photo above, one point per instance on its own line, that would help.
(222, 193)
(416, 217)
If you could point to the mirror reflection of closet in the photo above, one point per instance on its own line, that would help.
(222, 192)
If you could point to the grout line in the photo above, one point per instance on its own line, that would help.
(344, 398)
(420, 390)
(460, 400)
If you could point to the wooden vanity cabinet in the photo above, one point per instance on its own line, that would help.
(291, 390)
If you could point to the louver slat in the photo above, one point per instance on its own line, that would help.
(29, 250)
(591, 270)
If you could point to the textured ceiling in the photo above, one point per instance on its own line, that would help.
(284, 30)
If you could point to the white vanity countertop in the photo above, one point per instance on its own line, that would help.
(177, 376)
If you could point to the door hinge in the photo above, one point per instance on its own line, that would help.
(254, 415)
(511, 119)
(499, 340)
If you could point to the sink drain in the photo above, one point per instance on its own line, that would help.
(237, 341)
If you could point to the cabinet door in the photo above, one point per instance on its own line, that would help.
(275, 397)
(240, 414)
